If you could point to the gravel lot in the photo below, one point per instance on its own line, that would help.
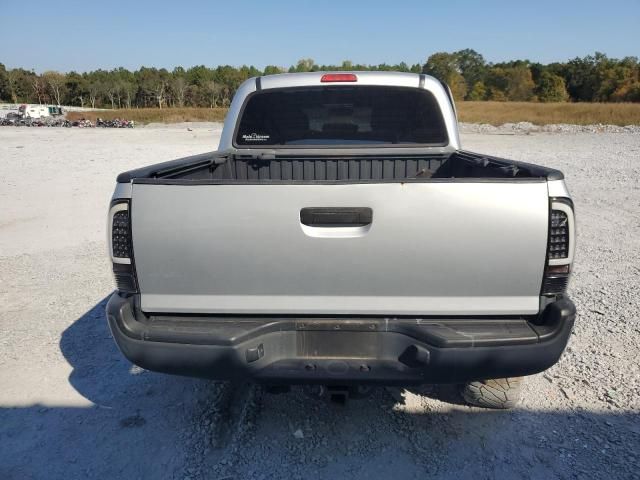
(72, 407)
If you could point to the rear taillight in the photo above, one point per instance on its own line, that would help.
(560, 247)
(121, 246)
(559, 235)
(338, 77)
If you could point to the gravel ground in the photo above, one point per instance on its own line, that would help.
(72, 407)
(528, 128)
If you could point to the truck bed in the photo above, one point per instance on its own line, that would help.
(216, 168)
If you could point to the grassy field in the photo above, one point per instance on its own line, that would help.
(498, 113)
(153, 115)
(495, 113)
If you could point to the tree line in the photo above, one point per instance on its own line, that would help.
(594, 78)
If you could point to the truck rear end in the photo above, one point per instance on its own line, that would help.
(338, 236)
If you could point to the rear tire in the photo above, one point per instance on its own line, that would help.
(499, 393)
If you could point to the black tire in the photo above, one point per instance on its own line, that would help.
(500, 393)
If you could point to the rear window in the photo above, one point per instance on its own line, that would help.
(341, 115)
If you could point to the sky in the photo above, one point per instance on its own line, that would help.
(86, 35)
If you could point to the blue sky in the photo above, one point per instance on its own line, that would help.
(87, 34)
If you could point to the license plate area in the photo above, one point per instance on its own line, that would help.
(337, 339)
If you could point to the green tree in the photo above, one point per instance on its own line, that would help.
(346, 65)
(229, 78)
(21, 85)
(304, 65)
(441, 65)
(582, 81)
(497, 83)
(615, 76)
(444, 67)
(5, 94)
(592, 78)
(458, 86)
(471, 66)
(153, 86)
(76, 89)
(273, 70)
(178, 84)
(478, 92)
(199, 75)
(212, 92)
(551, 88)
(629, 92)
(496, 95)
(520, 84)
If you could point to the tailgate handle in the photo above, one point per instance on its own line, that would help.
(336, 216)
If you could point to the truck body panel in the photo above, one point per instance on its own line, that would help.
(431, 248)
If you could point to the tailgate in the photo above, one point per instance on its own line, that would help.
(432, 248)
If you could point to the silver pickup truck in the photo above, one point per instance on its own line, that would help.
(341, 237)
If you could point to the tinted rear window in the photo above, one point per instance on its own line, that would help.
(341, 115)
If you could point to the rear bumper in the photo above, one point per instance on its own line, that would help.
(339, 351)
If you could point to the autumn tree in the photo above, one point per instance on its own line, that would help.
(551, 88)
(441, 65)
(627, 93)
(478, 92)
(592, 78)
(444, 66)
(519, 83)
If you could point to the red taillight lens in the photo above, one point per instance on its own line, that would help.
(338, 77)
